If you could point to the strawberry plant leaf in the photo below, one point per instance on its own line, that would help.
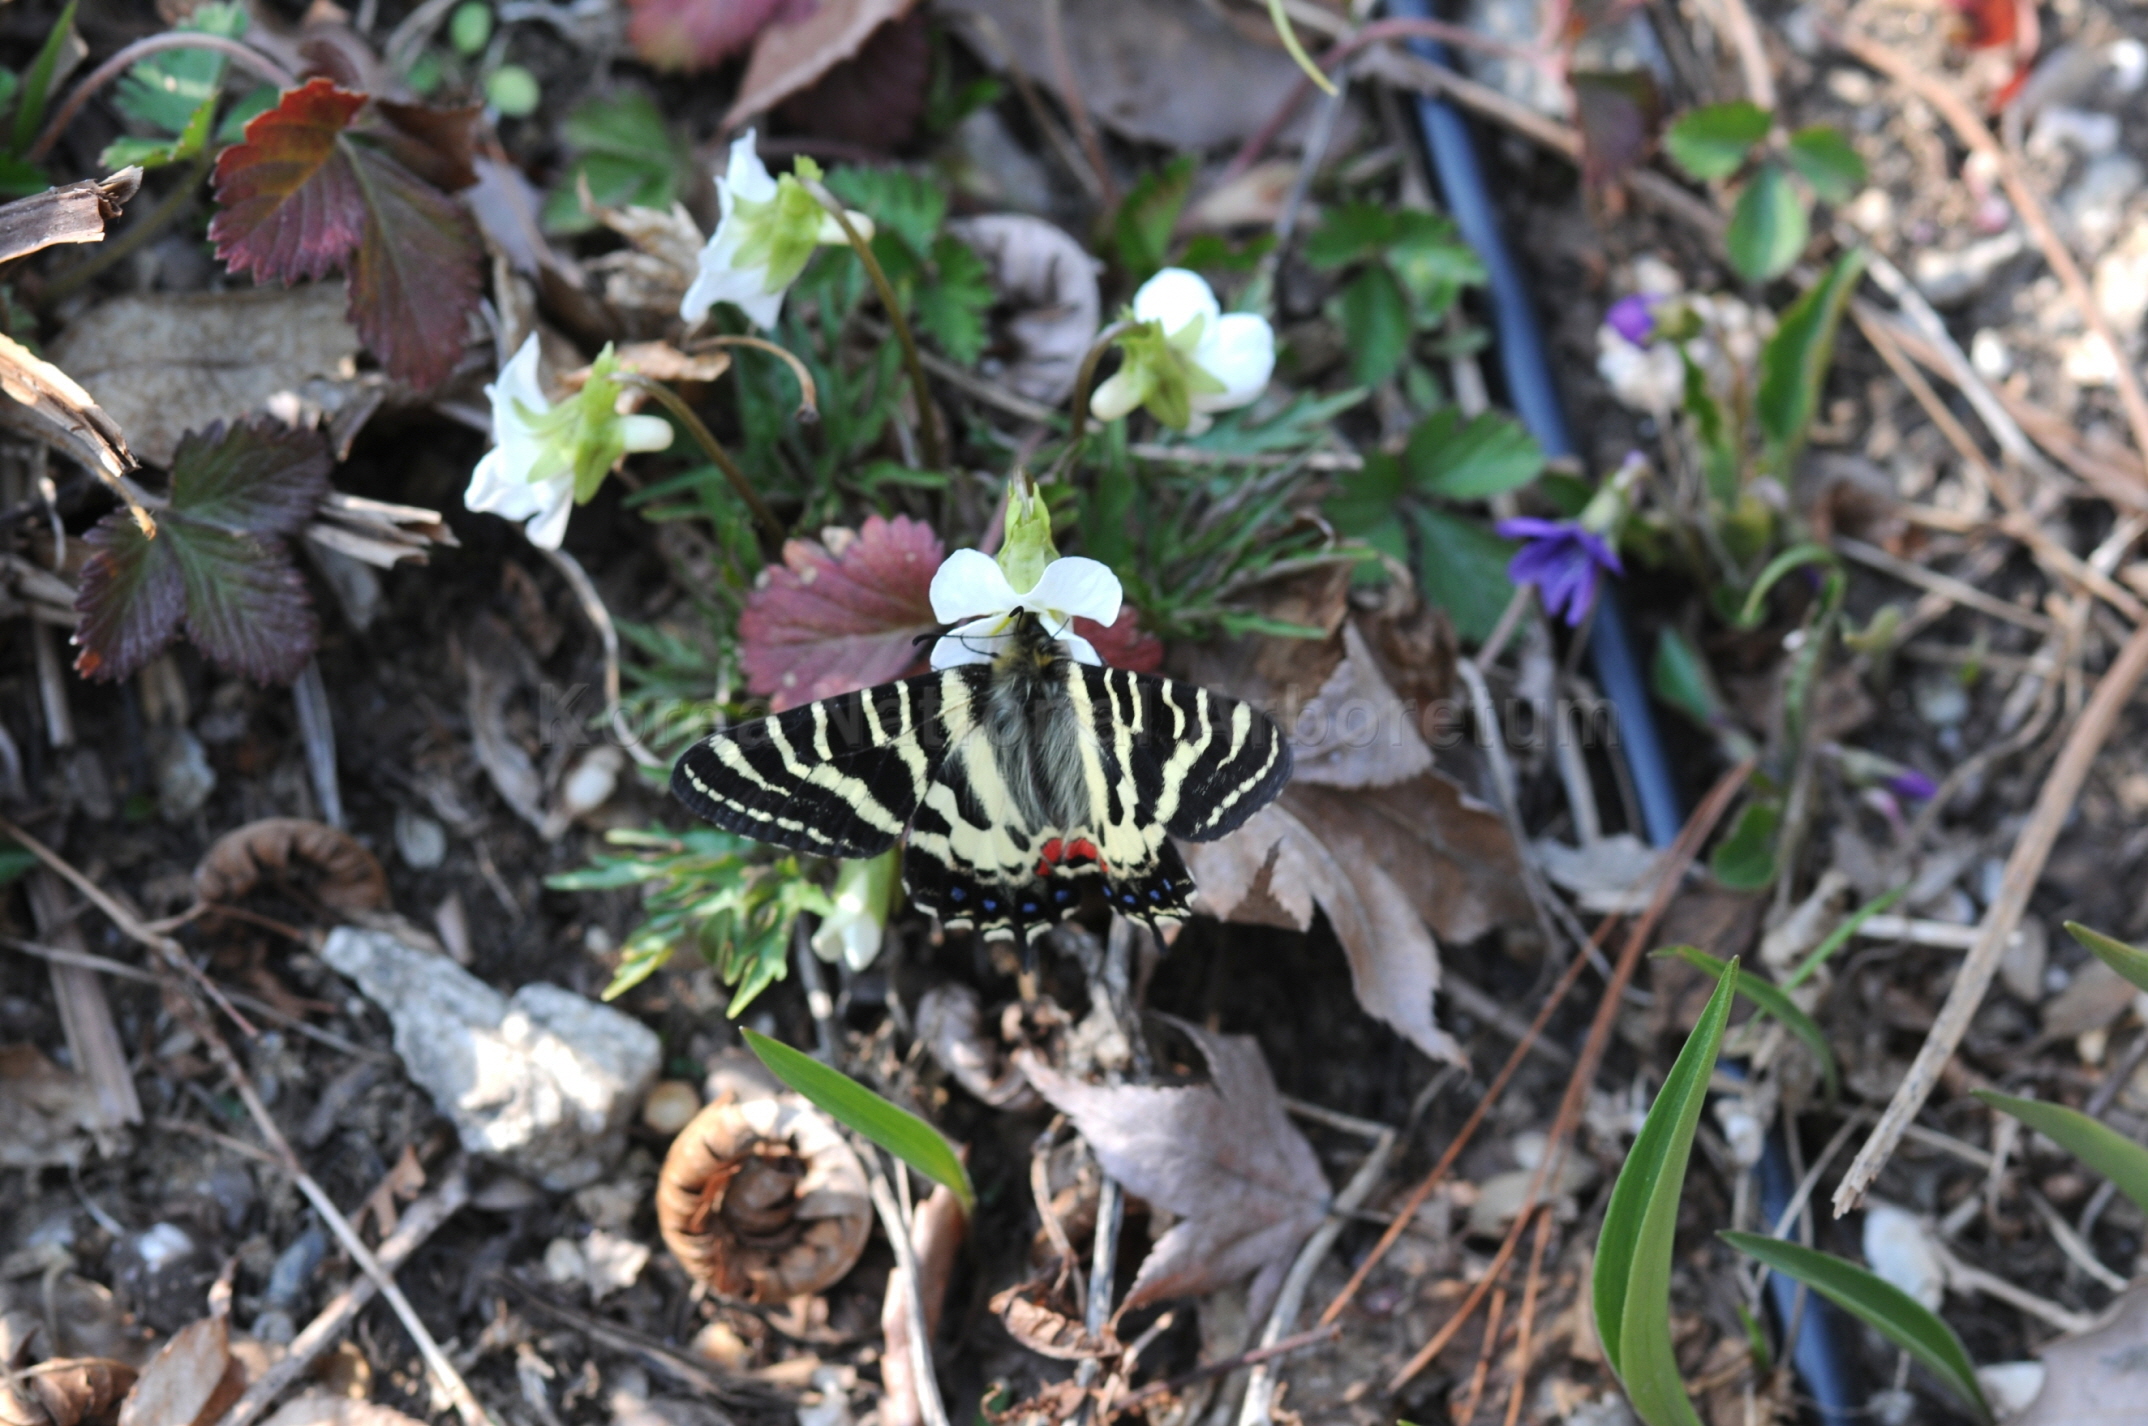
(166, 90)
(308, 191)
(217, 566)
(1712, 142)
(951, 309)
(840, 616)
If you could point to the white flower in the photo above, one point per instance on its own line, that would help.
(539, 451)
(971, 592)
(767, 230)
(502, 485)
(1207, 360)
(1649, 378)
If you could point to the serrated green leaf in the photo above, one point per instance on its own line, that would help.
(2097, 1145)
(167, 90)
(951, 309)
(1349, 233)
(626, 155)
(1772, 1000)
(1794, 362)
(1829, 164)
(1374, 314)
(1768, 226)
(1746, 859)
(1490, 455)
(908, 206)
(2128, 962)
(1463, 570)
(1712, 142)
(1888, 1310)
(892, 1127)
(1366, 497)
(1631, 1287)
(152, 153)
(1148, 216)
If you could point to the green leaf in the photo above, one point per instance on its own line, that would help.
(37, 81)
(1679, 676)
(1631, 1289)
(15, 863)
(910, 207)
(892, 1127)
(1350, 233)
(1464, 571)
(1712, 142)
(1433, 262)
(2097, 1145)
(167, 90)
(1365, 498)
(1795, 558)
(1772, 1000)
(1794, 363)
(1840, 936)
(1768, 226)
(1374, 314)
(1746, 859)
(1489, 456)
(2119, 956)
(470, 26)
(952, 308)
(151, 153)
(1300, 425)
(1893, 1313)
(1141, 230)
(1829, 164)
(625, 153)
(513, 91)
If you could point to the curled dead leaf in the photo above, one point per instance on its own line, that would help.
(1047, 281)
(950, 1024)
(327, 865)
(190, 1382)
(68, 1391)
(48, 1115)
(761, 1198)
(1026, 1311)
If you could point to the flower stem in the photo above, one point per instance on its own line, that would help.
(927, 419)
(247, 57)
(674, 403)
(808, 392)
(1084, 384)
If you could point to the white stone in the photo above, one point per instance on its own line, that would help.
(545, 1080)
(1988, 354)
(2010, 1386)
(1899, 1249)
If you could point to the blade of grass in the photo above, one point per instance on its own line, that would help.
(1893, 1313)
(1840, 936)
(1632, 1286)
(892, 1127)
(2119, 956)
(1770, 999)
(2101, 1147)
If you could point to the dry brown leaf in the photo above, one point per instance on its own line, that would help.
(377, 531)
(1355, 732)
(1223, 1156)
(950, 1024)
(48, 1115)
(318, 1408)
(789, 57)
(1049, 280)
(937, 1227)
(190, 1382)
(67, 1391)
(165, 363)
(2095, 997)
(328, 865)
(2099, 1378)
(663, 254)
(1026, 1312)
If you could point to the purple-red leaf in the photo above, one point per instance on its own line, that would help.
(842, 615)
(218, 563)
(1618, 113)
(318, 185)
(697, 34)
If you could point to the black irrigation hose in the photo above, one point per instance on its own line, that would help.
(1818, 1354)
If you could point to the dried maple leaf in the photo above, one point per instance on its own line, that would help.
(325, 181)
(840, 613)
(1223, 1156)
(218, 564)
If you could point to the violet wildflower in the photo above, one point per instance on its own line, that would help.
(1563, 559)
(1633, 318)
(1912, 785)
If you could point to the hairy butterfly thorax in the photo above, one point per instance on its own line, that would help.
(1017, 779)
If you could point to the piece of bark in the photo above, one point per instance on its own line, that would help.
(77, 213)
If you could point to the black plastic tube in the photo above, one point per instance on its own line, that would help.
(1526, 366)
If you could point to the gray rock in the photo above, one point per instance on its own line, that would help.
(1950, 278)
(544, 1080)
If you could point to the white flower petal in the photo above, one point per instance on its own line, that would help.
(720, 279)
(978, 641)
(1075, 585)
(1119, 394)
(1175, 297)
(519, 383)
(1239, 351)
(970, 583)
(745, 174)
(1080, 649)
(549, 526)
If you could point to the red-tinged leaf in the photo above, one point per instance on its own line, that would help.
(698, 34)
(1618, 115)
(1125, 644)
(842, 615)
(218, 564)
(289, 201)
(438, 145)
(417, 275)
(1989, 24)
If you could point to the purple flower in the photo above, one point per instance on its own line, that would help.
(1633, 318)
(1911, 785)
(1562, 560)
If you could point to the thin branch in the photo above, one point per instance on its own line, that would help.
(891, 1220)
(705, 438)
(808, 390)
(127, 56)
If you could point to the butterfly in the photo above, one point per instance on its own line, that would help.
(1013, 783)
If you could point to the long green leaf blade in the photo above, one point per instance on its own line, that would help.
(892, 1127)
(1771, 999)
(2101, 1147)
(37, 84)
(1897, 1316)
(1793, 364)
(1632, 1286)
(2119, 956)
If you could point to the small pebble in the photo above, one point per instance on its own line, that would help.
(2010, 1386)
(1899, 1249)
(591, 781)
(563, 1261)
(670, 1107)
(419, 840)
(1988, 354)
(721, 1345)
(184, 777)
